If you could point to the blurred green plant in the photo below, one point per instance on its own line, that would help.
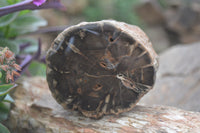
(15, 21)
(37, 69)
(124, 11)
(121, 10)
(3, 129)
(163, 3)
(17, 24)
(8, 70)
(14, 25)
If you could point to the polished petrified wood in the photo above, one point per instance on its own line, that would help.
(102, 67)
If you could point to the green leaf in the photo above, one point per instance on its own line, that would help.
(23, 12)
(4, 111)
(13, 1)
(3, 129)
(3, 78)
(6, 88)
(26, 23)
(0, 74)
(37, 69)
(27, 40)
(7, 19)
(3, 3)
(31, 49)
(8, 99)
(2, 98)
(11, 44)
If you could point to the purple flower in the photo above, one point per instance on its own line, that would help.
(38, 2)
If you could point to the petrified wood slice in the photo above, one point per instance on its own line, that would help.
(101, 67)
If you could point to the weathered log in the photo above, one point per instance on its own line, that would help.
(36, 111)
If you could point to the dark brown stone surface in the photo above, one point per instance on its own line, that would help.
(101, 67)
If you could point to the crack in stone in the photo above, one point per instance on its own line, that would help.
(168, 74)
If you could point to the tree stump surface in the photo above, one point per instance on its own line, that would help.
(36, 111)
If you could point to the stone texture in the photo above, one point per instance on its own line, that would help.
(185, 22)
(35, 111)
(182, 18)
(178, 78)
(158, 37)
(150, 12)
(179, 18)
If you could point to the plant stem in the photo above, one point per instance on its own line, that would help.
(28, 4)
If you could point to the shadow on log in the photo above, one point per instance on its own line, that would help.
(36, 111)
